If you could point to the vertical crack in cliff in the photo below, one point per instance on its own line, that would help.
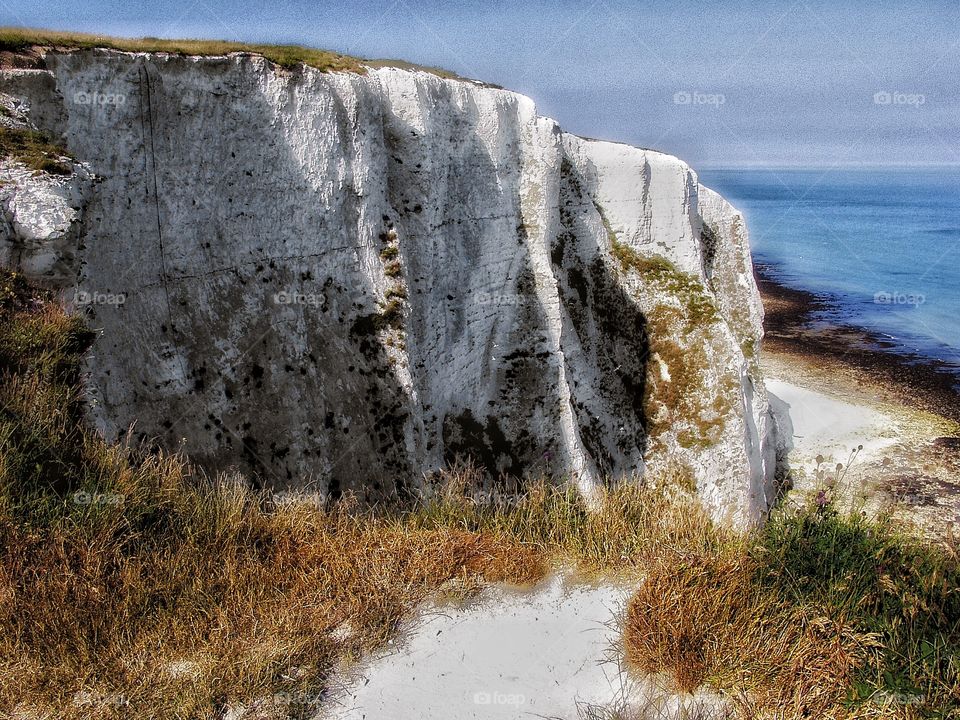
(146, 127)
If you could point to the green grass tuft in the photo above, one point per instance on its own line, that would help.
(819, 614)
(34, 150)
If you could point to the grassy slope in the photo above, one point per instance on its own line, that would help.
(15, 39)
(131, 586)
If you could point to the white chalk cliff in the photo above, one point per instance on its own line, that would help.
(348, 280)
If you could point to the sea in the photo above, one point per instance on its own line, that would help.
(880, 245)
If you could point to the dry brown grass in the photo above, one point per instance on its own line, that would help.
(820, 614)
(251, 600)
(34, 150)
(15, 39)
(702, 618)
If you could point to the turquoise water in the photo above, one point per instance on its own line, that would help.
(882, 245)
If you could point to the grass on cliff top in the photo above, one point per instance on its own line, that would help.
(133, 586)
(15, 39)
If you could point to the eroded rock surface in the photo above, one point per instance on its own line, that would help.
(348, 280)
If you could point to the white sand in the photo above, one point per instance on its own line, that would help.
(510, 655)
(548, 652)
(827, 425)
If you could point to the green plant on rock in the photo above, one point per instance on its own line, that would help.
(685, 402)
(396, 292)
(33, 149)
(390, 316)
(669, 279)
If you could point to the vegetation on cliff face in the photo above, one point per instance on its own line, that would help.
(34, 150)
(677, 394)
(132, 586)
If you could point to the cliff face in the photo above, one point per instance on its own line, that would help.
(350, 280)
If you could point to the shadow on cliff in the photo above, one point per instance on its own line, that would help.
(248, 334)
(608, 360)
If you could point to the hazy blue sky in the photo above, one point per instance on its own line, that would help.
(766, 83)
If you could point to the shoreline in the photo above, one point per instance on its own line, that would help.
(844, 354)
(843, 391)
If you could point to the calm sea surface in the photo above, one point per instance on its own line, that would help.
(884, 245)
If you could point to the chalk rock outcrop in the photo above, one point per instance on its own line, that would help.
(347, 280)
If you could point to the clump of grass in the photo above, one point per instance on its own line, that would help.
(393, 269)
(33, 149)
(624, 528)
(396, 292)
(390, 316)
(819, 614)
